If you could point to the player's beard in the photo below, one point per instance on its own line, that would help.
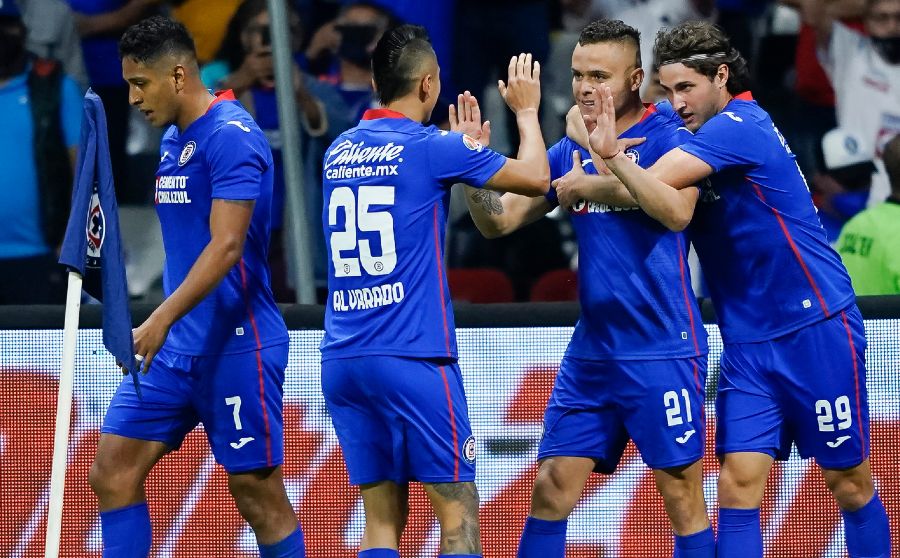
(888, 48)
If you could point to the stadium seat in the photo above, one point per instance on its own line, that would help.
(555, 286)
(479, 285)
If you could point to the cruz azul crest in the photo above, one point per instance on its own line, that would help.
(95, 230)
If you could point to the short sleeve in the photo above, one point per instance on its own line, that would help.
(726, 140)
(237, 155)
(456, 157)
(71, 109)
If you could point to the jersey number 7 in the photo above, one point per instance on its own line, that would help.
(359, 218)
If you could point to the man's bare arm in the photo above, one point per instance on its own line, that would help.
(497, 215)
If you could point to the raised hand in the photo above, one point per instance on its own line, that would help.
(465, 117)
(602, 126)
(522, 90)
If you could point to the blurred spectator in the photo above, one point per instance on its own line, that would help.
(41, 110)
(52, 34)
(648, 17)
(351, 38)
(246, 66)
(869, 242)
(207, 21)
(865, 73)
(842, 190)
(435, 16)
(100, 24)
(487, 34)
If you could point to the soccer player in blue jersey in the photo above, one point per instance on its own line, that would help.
(215, 350)
(389, 372)
(636, 365)
(793, 367)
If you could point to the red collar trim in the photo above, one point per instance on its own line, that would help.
(650, 109)
(374, 114)
(225, 95)
(745, 96)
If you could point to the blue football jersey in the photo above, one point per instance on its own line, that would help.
(767, 262)
(221, 155)
(633, 278)
(386, 187)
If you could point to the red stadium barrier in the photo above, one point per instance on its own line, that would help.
(193, 516)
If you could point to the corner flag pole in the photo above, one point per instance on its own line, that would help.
(63, 418)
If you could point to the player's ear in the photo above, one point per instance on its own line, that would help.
(178, 76)
(426, 87)
(721, 79)
(637, 78)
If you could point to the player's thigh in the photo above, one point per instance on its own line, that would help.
(749, 416)
(164, 412)
(428, 400)
(454, 502)
(581, 419)
(361, 419)
(240, 404)
(823, 373)
(121, 465)
(661, 404)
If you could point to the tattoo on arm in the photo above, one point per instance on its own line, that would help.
(465, 536)
(489, 201)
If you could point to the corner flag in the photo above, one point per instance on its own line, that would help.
(92, 246)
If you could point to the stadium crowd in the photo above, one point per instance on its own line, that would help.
(827, 70)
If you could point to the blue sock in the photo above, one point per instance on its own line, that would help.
(126, 531)
(739, 534)
(379, 553)
(289, 547)
(543, 539)
(697, 545)
(866, 530)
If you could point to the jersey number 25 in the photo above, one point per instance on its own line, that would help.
(359, 218)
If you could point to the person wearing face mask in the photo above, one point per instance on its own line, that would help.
(351, 39)
(864, 70)
(41, 110)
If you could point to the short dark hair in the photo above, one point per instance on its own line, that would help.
(703, 47)
(612, 30)
(151, 38)
(397, 57)
(891, 158)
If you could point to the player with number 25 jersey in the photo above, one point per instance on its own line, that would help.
(389, 372)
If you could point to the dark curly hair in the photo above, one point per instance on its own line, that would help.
(396, 59)
(612, 30)
(703, 47)
(151, 38)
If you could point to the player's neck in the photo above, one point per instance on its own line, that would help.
(194, 105)
(724, 98)
(630, 115)
(409, 107)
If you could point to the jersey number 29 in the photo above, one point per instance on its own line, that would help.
(359, 218)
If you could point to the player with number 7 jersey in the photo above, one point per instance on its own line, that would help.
(389, 372)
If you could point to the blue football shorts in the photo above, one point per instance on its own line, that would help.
(400, 419)
(237, 397)
(807, 387)
(596, 406)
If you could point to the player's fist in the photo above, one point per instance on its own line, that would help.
(522, 90)
(569, 186)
